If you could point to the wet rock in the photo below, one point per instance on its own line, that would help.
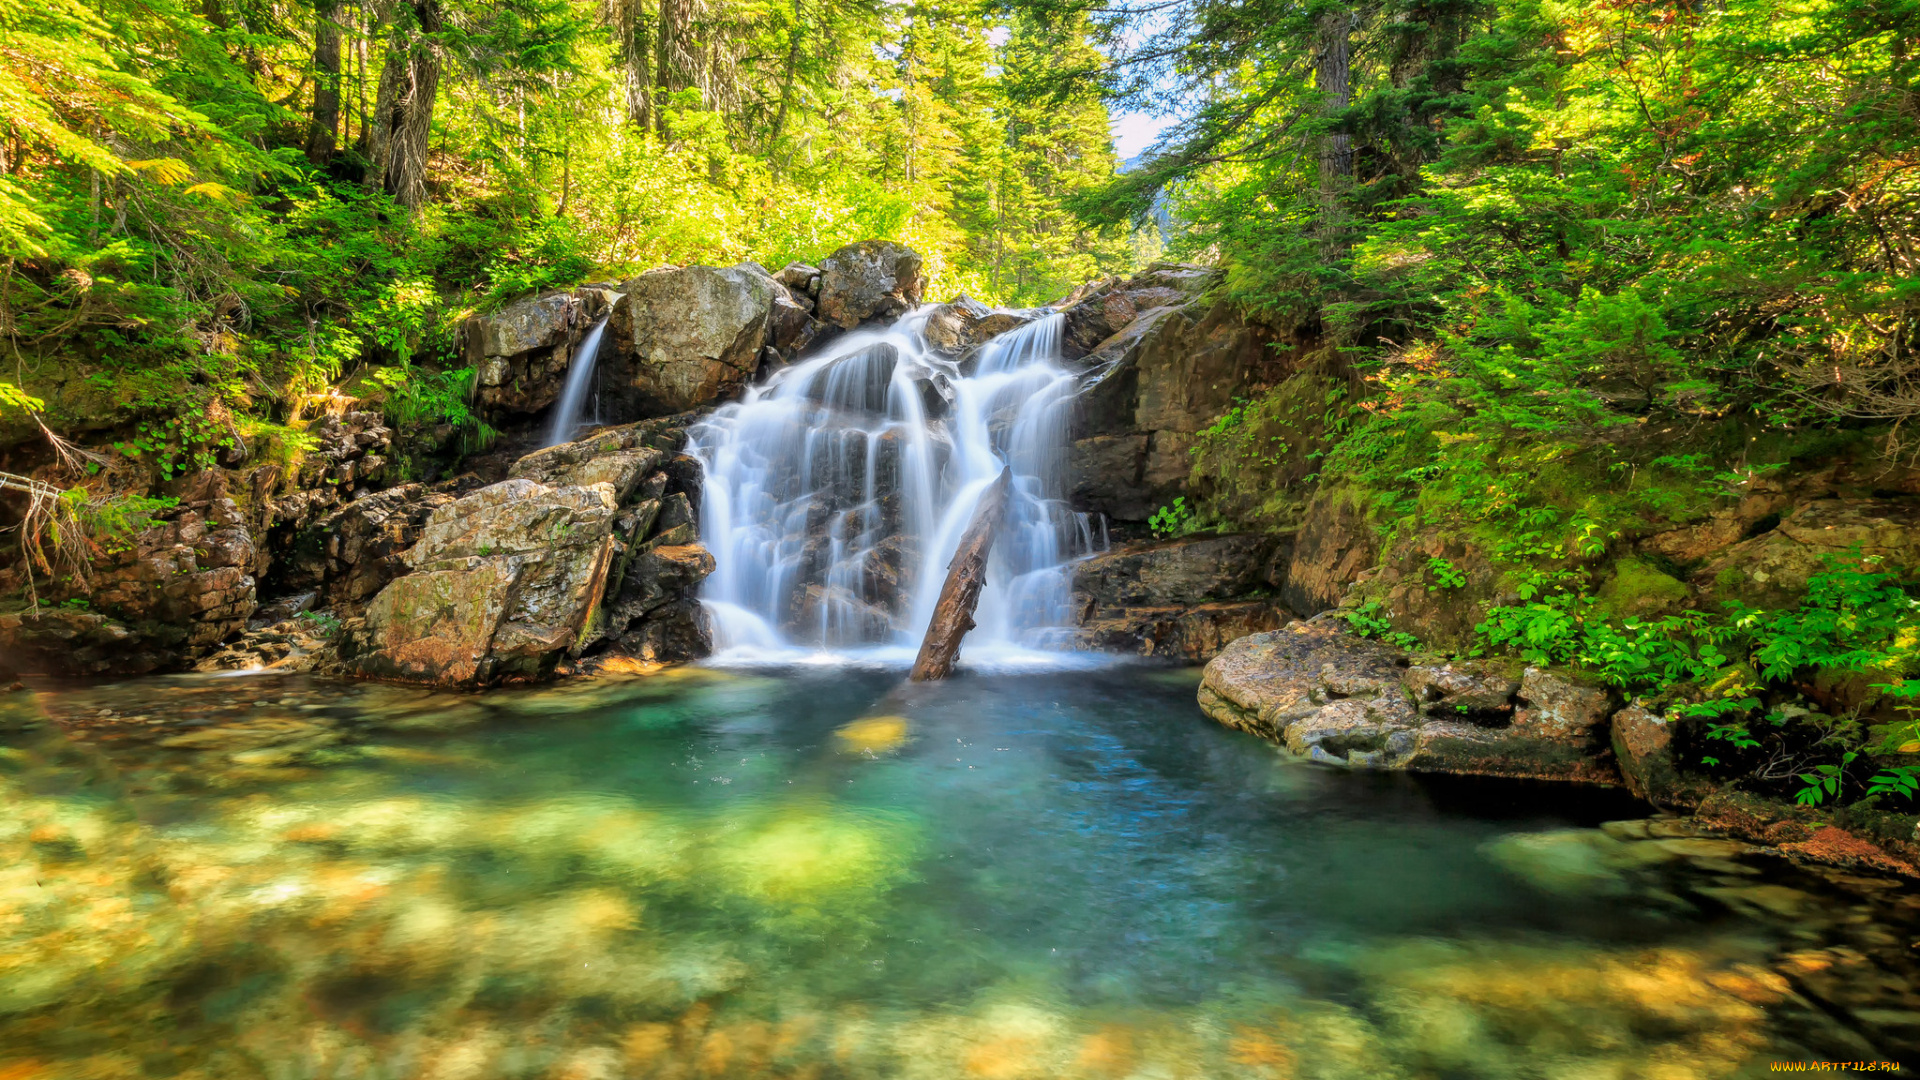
(658, 574)
(501, 585)
(1106, 473)
(1643, 745)
(693, 334)
(1189, 570)
(830, 615)
(673, 633)
(1191, 635)
(872, 279)
(964, 324)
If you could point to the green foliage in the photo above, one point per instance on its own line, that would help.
(1173, 520)
(1370, 620)
(1722, 670)
(1445, 575)
(320, 624)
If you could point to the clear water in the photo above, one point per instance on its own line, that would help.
(813, 873)
(836, 493)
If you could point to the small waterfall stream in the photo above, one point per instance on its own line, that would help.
(566, 411)
(836, 493)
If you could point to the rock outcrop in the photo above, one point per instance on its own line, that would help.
(1338, 699)
(1178, 599)
(521, 353)
(873, 279)
(174, 590)
(586, 545)
(1163, 362)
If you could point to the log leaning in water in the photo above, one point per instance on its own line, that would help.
(953, 615)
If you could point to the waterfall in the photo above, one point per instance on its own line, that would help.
(566, 411)
(836, 492)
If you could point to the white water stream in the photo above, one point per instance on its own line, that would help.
(836, 493)
(566, 411)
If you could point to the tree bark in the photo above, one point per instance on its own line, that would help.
(1331, 76)
(674, 63)
(966, 574)
(322, 131)
(403, 109)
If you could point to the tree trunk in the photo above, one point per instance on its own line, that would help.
(674, 63)
(1331, 77)
(403, 109)
(966, 574)
(322, 131)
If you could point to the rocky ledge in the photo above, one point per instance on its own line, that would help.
(1343, 700)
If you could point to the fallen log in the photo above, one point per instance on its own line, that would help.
(966, 574)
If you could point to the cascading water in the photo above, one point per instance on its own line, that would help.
(566, 411)
(837, 492)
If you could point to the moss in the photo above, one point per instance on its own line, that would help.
(1638, 589)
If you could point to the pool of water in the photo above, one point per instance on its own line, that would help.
(811, 872)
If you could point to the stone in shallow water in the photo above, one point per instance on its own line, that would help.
(1571, 862)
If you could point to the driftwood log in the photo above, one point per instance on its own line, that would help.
(953, 615)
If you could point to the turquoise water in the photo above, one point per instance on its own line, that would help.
(809, 873)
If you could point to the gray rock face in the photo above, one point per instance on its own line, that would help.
(502, 584)
(872, 279)
(521, 353)
(1338, 699)
(694, 334)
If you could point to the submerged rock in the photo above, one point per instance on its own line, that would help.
(1339, 699)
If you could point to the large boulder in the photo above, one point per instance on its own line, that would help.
(692, 335)
(501, 585)
(872, 279)
(1338, 699)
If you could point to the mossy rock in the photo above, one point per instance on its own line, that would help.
(1638, 589)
